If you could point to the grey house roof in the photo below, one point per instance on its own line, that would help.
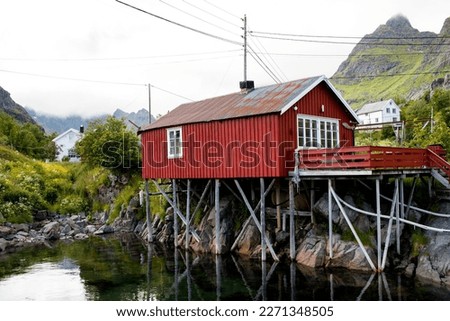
(374, 107)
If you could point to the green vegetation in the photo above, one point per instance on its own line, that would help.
(418, 241)
(109, 144)
(110, 158)
(28, 139)
(366, 238)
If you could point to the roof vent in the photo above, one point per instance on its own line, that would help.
(246, 86)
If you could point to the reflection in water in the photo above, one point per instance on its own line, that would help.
(126, 269)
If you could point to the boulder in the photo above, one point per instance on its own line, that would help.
(312, 251)
(5, 231)
(3, 245)
(51, 231)
(105, 229)
(349, 255)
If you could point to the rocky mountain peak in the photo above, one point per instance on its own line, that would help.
(9, 106)
(445, 31)
(399, 22)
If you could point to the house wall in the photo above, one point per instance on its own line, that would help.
(258, 146)
(65, 143)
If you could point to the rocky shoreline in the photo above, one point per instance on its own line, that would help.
(430, 263)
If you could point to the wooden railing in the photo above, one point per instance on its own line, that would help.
(438, 162)
(362, 157)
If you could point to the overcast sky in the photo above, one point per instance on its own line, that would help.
(121, 49)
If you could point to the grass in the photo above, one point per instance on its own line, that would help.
(418, 241)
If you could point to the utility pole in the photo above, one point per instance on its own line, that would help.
(245, 47)
(149, 104)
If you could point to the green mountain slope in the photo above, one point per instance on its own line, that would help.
(9, 106)
(395, 61)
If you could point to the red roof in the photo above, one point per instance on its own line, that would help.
(264, 100)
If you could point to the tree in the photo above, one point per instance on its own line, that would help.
(108, 143)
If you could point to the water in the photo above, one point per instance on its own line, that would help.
(120, 269)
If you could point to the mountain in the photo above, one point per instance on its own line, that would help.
(56, 124)
(395, 61)
(140, 118)
(9, 106)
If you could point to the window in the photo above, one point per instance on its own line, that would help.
(317, 132)
(72, 154)
(174, 143)
(394, 118)
(394, 110)
(388, 110)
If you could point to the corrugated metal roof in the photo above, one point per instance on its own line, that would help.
(259, 101)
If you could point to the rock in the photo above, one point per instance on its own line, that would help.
(90, 229)
(20, 227)
(312, 251)
(3, 244)
(22, 233)
(249, 240)
(105, 229)
(51, 231)
(40, 216)
(349, 255)
(66, 229)
(5, 231)
(410, 270)
(80, 236)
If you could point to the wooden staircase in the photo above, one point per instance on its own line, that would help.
(440, 167)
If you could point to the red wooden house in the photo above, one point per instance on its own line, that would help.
(252, 133)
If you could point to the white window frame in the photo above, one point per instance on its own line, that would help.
(322, 131)
(170, 152)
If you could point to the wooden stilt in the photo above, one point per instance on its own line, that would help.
(217, 210)
(188, 214)
(148, 214)
(202, 198)
(397, 216)
(278, 201)
(177, 210)
(402, 197)
(379, 253)
(410, 198)
(312, 200)
(263, 220)
(330, 219)
(255, 219)
(175, 220)
(391, 219)
(291, 221)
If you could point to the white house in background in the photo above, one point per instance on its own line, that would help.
(385, 111)
(65, 144)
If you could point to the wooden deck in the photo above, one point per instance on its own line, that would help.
(366, 158)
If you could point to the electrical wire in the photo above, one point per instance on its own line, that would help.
(348, 37)
(180, 25)
(263, 65)
(348, 42)
(211, 14)
(91, 81)
(198, 18)
(221, 9)
(393, 75)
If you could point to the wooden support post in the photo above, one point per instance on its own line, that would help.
(188, 214)
(291, 221)
(175, 220)
(202, 198)
(255, 219)
(278, 201)
(177, 210)
(379, 253)
(402, 197)
(312, 200)
(263, 220)
(148, 214)
(236, 241)
(391, 219)
(217, 210)
(218, 275)
(397, 216)
(330, 219)
(411, 195)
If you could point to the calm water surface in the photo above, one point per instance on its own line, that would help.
(121, 269)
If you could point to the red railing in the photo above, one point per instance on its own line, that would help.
(363, 157)
(437, 161)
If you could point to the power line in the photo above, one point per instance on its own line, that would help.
(271, 62)
(181, 25)
(348, 42)
(211, 14)
(263, 65)
(198, 18)
(358, 54)
(90, 81)
(348, 37)
(116, 58)
(393, 75)
(221, 9)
